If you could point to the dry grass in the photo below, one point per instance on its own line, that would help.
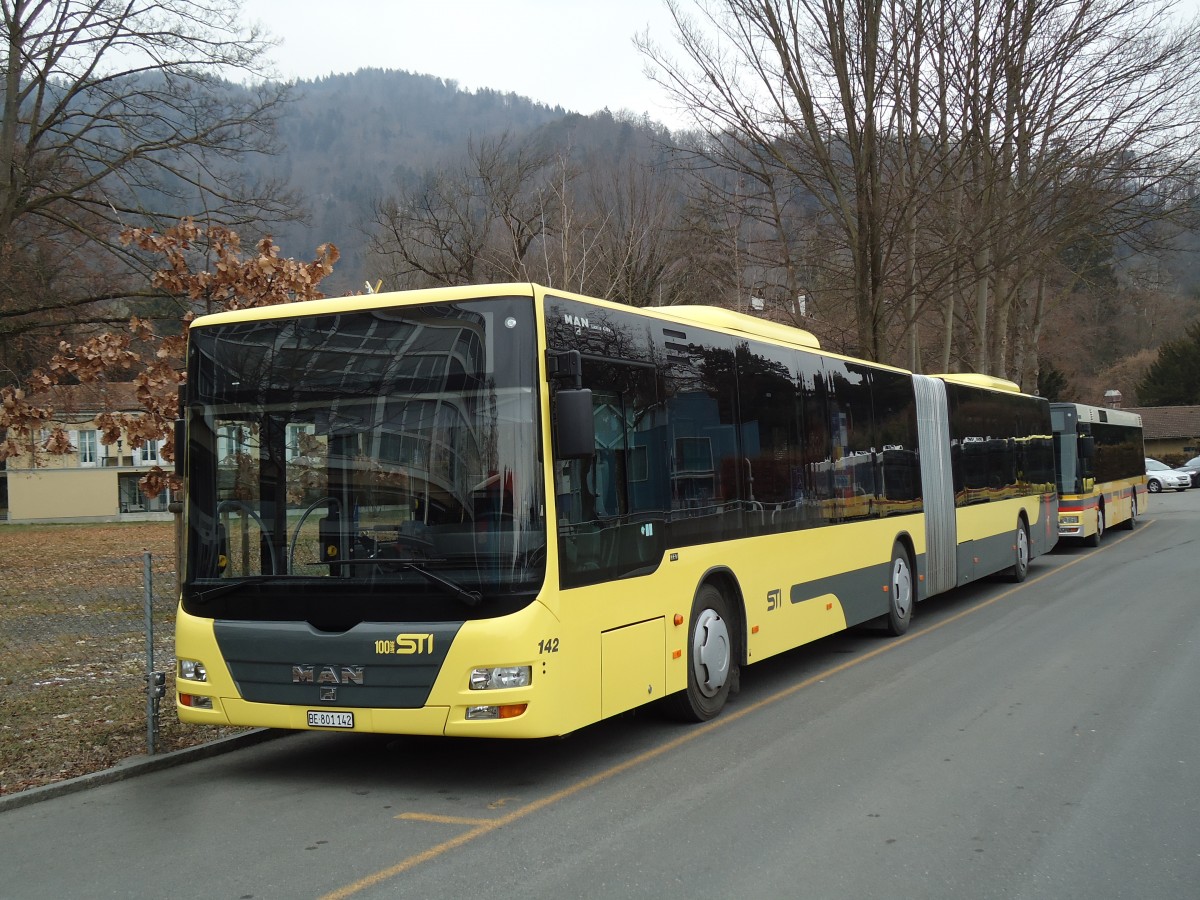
(73, 649)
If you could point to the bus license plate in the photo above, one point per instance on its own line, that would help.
(318, 718)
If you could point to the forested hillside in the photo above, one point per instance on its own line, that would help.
(347, 141)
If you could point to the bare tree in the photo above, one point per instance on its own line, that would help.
(469, 223)
(634, 239)
(1088, 131)
(535, 210)
(805, 84)
(118, 115)
(957, 148)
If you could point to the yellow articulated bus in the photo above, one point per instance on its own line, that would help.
(1100, 460)
(509, 511)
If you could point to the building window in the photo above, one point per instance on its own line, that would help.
(147, 454)
(89, 450)
(133, 500)
(296, 435)
(232, 442)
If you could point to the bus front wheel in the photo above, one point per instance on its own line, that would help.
(900, 592)
(712, 665)
(1093, 540)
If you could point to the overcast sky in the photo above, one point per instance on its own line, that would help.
(578, 55)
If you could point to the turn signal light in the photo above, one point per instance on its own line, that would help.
(510, 711)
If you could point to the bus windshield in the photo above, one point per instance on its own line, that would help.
(1069, 466)
(382, 453)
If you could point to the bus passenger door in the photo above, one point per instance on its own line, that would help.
(611, 507)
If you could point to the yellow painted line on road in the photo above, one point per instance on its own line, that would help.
(487, 826)
(442, 820)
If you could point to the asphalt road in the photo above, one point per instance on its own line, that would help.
(1040, 740)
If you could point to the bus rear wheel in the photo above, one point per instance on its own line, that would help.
(712, 665)
(900, 592)
(1020, 553)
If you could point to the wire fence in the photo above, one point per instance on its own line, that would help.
(87, 613)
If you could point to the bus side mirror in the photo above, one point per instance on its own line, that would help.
(574, 426)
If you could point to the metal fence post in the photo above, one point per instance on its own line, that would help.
(155, 681)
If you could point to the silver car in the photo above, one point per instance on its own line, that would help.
(1161, 477)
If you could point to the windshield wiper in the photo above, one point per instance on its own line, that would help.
(226, 587)
(470, 598)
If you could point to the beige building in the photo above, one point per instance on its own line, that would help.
(1170, 430)
(92, 482)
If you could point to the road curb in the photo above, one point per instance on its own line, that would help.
(139, 765)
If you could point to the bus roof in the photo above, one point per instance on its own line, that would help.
(984, 381)
(752, 326)
(355, 302)
(1085, 413)
(704, 316)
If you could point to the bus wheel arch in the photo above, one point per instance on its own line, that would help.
(714, 650)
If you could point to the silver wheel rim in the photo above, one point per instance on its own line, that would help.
(710, 653)
(901, 587)
(1022, 548)
(1099, 522)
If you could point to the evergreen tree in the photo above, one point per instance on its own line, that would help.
(1052, 384)
(1174, 378)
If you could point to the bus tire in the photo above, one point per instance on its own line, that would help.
(711, 661)
(1020, 568)
(900, 591)
(1093, 540)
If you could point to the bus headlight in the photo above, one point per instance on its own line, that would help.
(192, 670)
(1069, 520)
(499, 677)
